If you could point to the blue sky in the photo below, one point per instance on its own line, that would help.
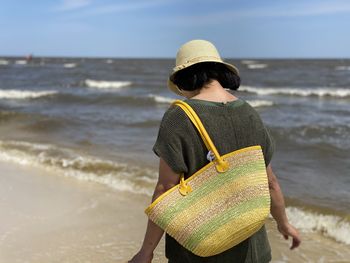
(156, 28)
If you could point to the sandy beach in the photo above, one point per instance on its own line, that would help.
(46, 217)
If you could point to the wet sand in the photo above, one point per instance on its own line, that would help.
(46, 217)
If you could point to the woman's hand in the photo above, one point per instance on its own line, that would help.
(167, 179)
(278, 210)
(142, 257)
(287, 230)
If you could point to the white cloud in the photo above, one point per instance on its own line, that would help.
(307, 8)
(87, 8)
(285, 9)
(122, 7)
(67, 5)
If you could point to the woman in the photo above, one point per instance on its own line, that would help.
(203, 78)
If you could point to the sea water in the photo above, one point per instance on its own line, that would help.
(97, 120)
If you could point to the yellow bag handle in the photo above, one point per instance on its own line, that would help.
(221, 164)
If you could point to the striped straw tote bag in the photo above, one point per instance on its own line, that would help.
(220, 205)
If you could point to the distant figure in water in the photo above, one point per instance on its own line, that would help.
(29, 57)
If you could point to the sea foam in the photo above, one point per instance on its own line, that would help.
(260, 103)
(319, 92)
(21, 62)
(253, 64)
(69, 65)
(24, 94)
(253, 103)
(248, 62)
(68, 162)
(328, 225)
(136, 179)
(342, 68)
(104, 84)
(3, 62)
(257, 66)
(161, 99)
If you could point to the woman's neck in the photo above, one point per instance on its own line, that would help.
(213, 91)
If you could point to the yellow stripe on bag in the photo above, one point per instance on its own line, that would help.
(216, 239)
(175, 188)
(214, 200)
(205, 184)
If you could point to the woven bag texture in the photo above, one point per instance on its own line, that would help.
(223, 208)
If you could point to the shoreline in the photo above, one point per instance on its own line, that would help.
(48, 217)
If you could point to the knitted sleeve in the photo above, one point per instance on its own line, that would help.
(170, 144)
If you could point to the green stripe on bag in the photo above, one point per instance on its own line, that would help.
(213, 183)
(223, 218)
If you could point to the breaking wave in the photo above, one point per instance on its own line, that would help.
(260, 103)
(257, 66)
(161, 99)
(319, 92)
(104, 84)
(331, 226)
(120, 176)
(21, 62)
(69, 65)
(24, 94)
(248, 62)
(253, 103)
(342, 68)
(3, 62)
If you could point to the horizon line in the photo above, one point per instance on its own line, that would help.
(163, 57)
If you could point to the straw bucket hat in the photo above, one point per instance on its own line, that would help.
(193, 52)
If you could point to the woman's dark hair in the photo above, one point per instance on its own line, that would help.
(200, 74)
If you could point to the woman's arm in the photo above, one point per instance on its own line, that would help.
(278, 211)
(167, 179)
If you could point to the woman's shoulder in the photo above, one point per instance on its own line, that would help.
(173, 112)
(235, 107)
(173, 116)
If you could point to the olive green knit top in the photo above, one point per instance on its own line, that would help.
(231, 126)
